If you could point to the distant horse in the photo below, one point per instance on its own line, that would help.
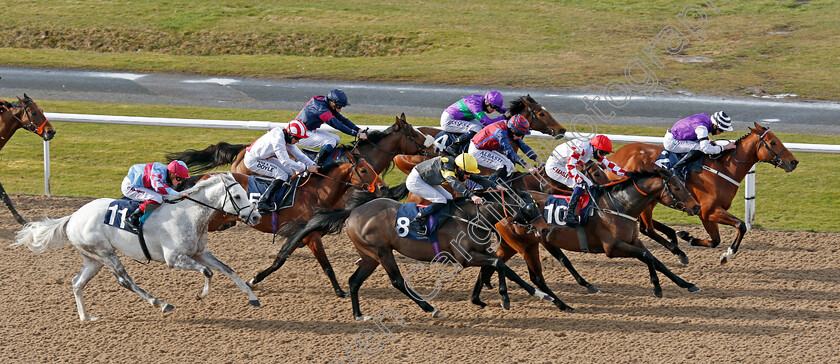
(323, 189)
(612, 230)
(540, 119)
(371, 228)
(25, 114)
(714, 187)
(175, 234)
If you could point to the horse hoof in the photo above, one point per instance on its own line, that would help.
(198, 297)
(255, 303)
(357, 261)
(592, 289)
(438, 313)
(682, 234)
(505, 304)
(168, 308)
(91, 318)
(488, 286)
(341, 294)
(544, 297)
(251, 283)
(694, 288)
(657, 292)
(683, 259)
(570, 310)
(363, 318)
(479, 303)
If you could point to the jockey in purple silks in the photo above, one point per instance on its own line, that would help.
(691, 136)
(320, 110)
(469, 115)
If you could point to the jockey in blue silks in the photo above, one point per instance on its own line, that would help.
(320, 110)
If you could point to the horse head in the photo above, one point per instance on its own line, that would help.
(675, 195)
(30, 117)
(771, 150)
(234, 198)
(413, 141)
(365, 176)
(540, 119)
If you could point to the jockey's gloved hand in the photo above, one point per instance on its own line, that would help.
(477, 200)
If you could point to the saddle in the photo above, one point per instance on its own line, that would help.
(666, 159)
(406, 228)
(283, 198)
(118, 211)
(556, 207)
(445, 139)
(313, 154)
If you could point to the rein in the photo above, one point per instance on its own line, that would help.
(229, 197)
(370, 187)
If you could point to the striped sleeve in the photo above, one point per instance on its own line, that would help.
(573, 162)
(612, 167)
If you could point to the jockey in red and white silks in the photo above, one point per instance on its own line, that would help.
(561, 165)
(271, 154)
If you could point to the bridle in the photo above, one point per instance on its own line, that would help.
(30, 126)
(229, 196)
(776, 161)
(365, 186)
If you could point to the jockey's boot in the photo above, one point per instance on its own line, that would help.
(687, 159)
(499, 176)
(571, 217)
(265, 200)
(134, 220)
(420, 220)
(323, 154)
(454, 149)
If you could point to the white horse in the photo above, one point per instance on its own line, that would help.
(175, 234)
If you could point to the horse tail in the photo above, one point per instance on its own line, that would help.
(211, 157)
(40, 235)
(398, 192)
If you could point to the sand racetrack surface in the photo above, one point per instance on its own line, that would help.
(777, 301)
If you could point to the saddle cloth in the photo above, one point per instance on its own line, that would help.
(119, 210)
(283, 198)
(445, 139)
(556, 207)
(405, 229)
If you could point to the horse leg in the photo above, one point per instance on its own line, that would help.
(558, 254)
(724, 217)
(313, 241)
(483, 276)
(88, 271)
(503, 291)
(482, 259)
(386, 258)
(112, 262)
(181, 261)
(638, 251)
(648, 227)
(672, 245)
(366, 266)
(208, 259)
(278, 262)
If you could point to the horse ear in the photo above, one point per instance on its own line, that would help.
(757, 126)
(25, 96)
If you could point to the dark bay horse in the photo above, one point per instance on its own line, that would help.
(464, 240)
(612, 230)
(540, 119)
(321, 190)
(22, 114)
(714, 192)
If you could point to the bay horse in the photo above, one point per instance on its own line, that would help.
(176, 234)
(612, 230)
(464, 240)
(322, 189)
(22, 114)
(714, 192)
(540, 119)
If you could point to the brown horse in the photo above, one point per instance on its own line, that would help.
(612, 230)
(26, 114)
(540, 119)
(715, 192)
(464, 241)
(322, 189)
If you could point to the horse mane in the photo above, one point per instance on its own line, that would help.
(631, 176)
(373, 137)
(188, 183)
(516, 106)
(204, 183)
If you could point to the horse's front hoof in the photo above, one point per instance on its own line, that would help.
(479, 303)
(168, 308)
(254, 303)
(683, 259)
(251, 283)
(592, 289)
(341, 294)
(362, 317)
(436, 314)
(544, 297)
(657, 292)
(505, 304)
(488, 285)
(694, 288)
(682, 234)
(570, 310)
(90, 318)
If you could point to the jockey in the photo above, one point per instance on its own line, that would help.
(469, 115)
(327, 109)
(562, 166)
(426, 178)
(691, 136)
(492, 148)
(148, 183)
(269, 156)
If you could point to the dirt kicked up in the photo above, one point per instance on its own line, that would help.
(777, 302)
